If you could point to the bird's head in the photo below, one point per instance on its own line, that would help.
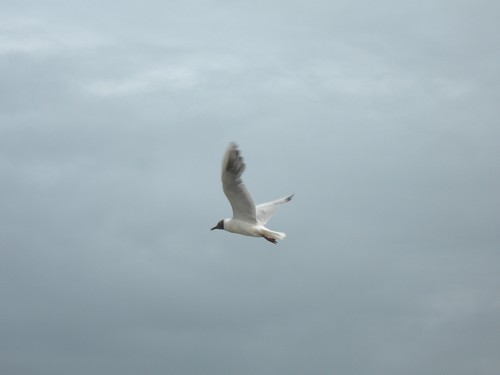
(220, 225)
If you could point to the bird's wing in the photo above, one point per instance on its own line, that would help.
(264, 211)
(236, 192)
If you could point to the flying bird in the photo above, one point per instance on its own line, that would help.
(248, 219)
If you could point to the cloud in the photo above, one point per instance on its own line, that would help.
(381, 119)
(25, 35)
(164, 78)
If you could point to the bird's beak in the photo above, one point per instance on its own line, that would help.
(220, 225)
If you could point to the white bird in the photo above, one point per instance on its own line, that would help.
(248, 219)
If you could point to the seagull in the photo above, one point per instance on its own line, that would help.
(248, 219)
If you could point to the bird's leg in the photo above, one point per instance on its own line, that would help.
(271, 240)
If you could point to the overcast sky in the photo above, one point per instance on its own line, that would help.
(381, 117)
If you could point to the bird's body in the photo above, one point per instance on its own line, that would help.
(248, 219)
(242, 227)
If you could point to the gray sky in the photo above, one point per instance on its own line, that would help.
(382, 118)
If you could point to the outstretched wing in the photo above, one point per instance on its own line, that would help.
(266, 210)
(236, 192)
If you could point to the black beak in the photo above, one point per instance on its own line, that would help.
(214, 228)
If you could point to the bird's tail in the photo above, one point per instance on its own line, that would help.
(272, 234)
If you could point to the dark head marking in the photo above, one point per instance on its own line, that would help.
(220, 225)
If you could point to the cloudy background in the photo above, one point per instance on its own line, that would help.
(382, 118)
